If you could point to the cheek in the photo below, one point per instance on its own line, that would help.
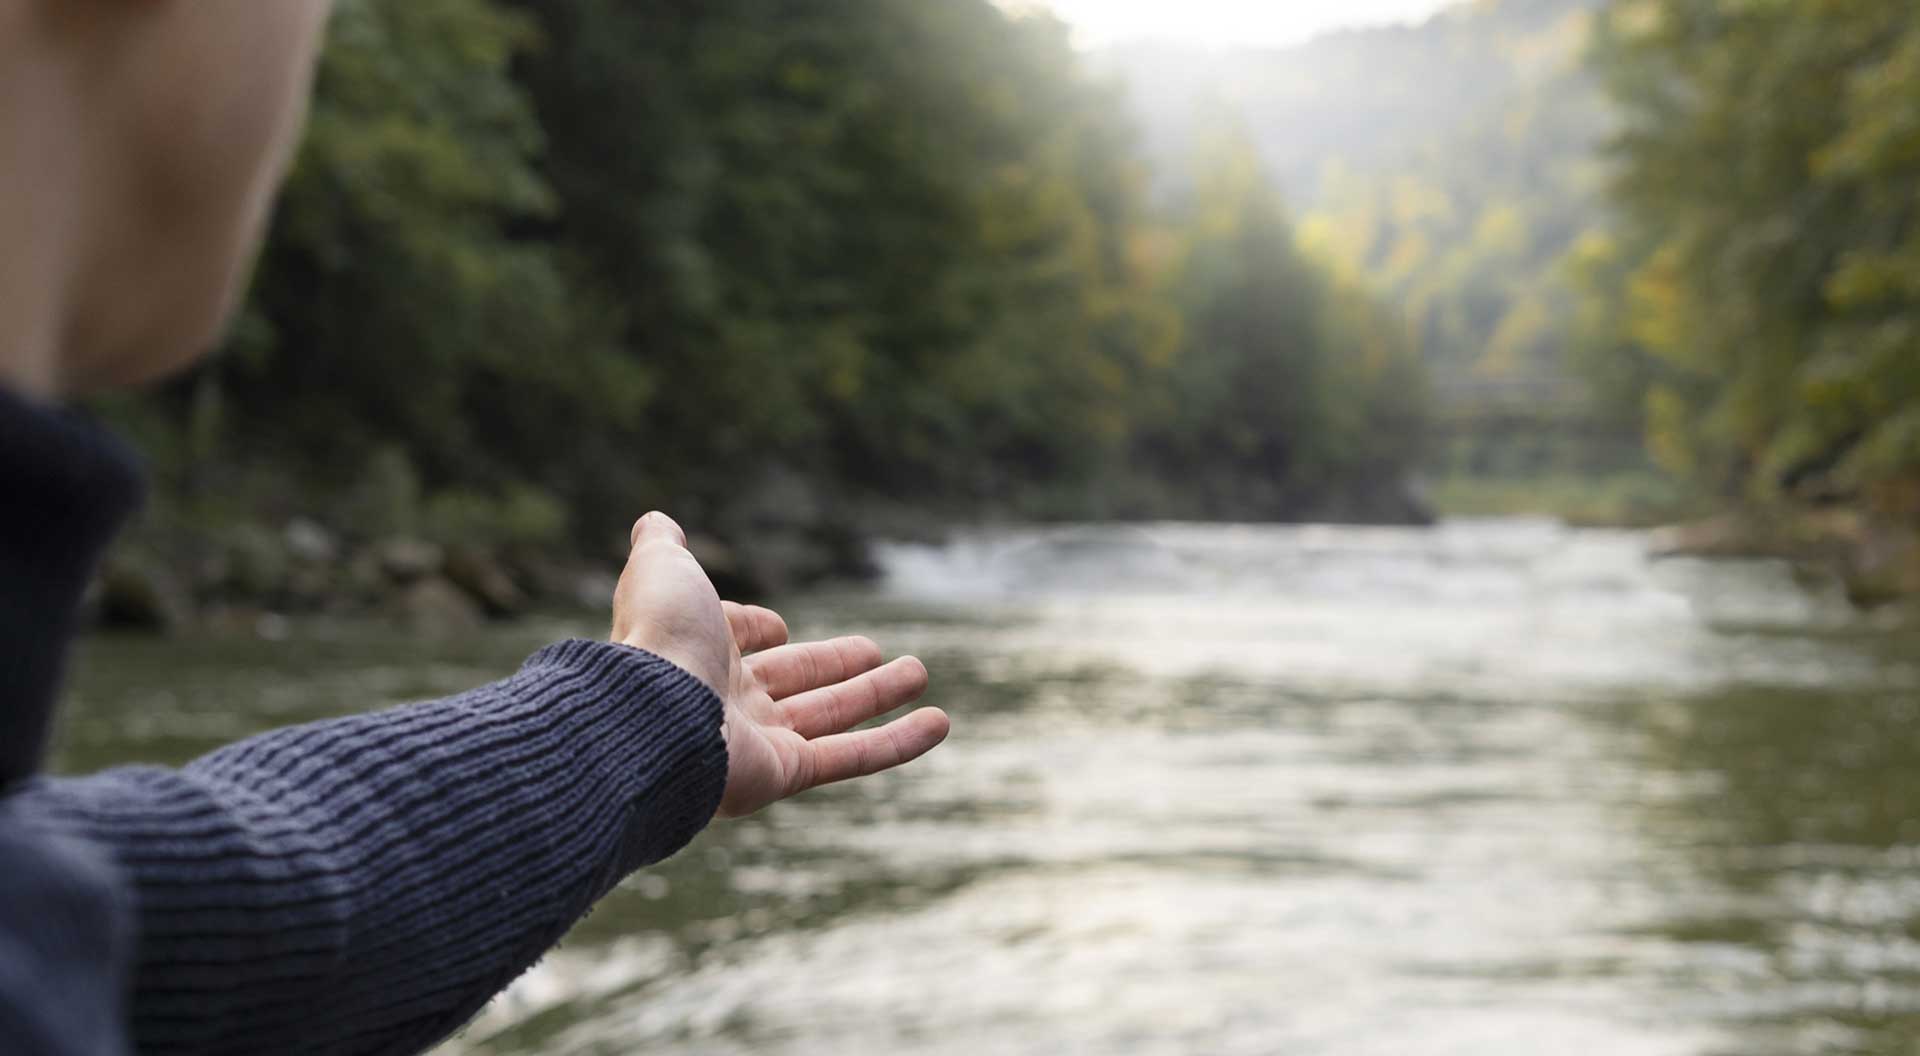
(209, 109)
(220, 99)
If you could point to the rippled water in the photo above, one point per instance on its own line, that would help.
(1489, 788)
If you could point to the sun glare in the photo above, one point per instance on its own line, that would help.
(1223, 23)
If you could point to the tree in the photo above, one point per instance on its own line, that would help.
(1766, 177)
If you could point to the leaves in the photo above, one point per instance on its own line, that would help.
(1766, 175)
(621, 255)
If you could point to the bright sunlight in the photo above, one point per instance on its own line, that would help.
(1226, 23)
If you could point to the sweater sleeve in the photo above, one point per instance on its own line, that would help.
(366, 884)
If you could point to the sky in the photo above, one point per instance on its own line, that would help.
(1220, 23)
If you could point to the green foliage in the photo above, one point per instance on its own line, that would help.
(1450, 167)
(542, 265)
(395, 305)
(520, 517)
(1291, 385)
(400, 305)
(1468, 234)
(1767, 279)
(895, 233)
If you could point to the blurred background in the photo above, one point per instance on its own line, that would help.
(1414, 506)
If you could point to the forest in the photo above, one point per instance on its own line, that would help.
(1451, 167)
(543, 266)
(1756, 307)
(806, 272)
(1659, 256)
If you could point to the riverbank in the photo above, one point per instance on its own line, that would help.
(257, 579)
(1623, 499)
(1875, 558)
(253, 577)
(443, 567)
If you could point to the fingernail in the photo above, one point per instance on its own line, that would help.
(656, 521)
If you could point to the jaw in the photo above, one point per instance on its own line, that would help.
(159, 131)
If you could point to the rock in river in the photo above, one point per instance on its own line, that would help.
(434, 606)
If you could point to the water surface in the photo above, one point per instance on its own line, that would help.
(1488, 788)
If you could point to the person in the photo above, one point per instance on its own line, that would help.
(364, 884)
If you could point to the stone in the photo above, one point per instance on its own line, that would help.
(308, 542)
(1884, 567)
(366, 581)
(434, 607)
(407, 560)
(593, 591)
(730, 576)
(1728, 535)
(256, 562)
(272, 627)
(312, 587)
(137, 593)
(779, 498)
(477, 572)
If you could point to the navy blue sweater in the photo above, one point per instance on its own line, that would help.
(361, 885)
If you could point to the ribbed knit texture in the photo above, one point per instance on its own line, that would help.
(361, 885)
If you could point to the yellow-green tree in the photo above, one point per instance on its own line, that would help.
(1769, 184)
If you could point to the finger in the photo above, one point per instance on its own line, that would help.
(755, 628)
(794, 669)
(844, 705)
(850, 755)
(657, 526)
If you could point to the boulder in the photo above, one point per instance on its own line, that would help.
(257, 562)
(1728, 535)
(730, 576)
(539, 574)
(1884, 567)
(779, 497)
(309, 543)
(483, 577)
(313, 587)
(137, 593)
(365, 580)
(780, 560)
(593, 591)
(407, 560)
(432, 606)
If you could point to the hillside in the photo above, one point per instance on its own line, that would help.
(1451, 164)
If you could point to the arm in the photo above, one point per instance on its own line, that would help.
(365, 884)
(64, 932)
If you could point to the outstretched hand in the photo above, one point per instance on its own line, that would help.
(790, 708)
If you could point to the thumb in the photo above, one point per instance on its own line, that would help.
(657, 527)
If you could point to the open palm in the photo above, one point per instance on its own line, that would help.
(791, 709)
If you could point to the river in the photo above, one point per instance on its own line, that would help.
(1496, 787)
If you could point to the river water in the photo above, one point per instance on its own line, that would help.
(1489, 788)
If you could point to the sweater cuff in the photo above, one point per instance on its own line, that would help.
(669, 757)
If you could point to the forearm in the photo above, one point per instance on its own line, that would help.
(365, 884)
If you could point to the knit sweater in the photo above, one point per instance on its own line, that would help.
(361, 885)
